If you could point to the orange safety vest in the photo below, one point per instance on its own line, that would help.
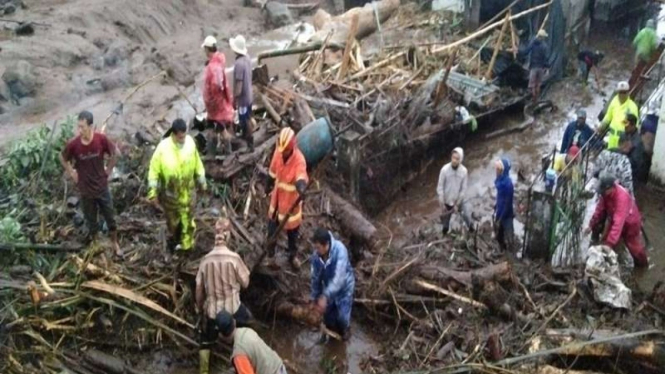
(284, 195)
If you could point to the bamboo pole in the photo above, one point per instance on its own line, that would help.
(487, 29)
(497, 46)
(513, 39)
(348, 47)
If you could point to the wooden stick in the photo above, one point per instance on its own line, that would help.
(498, 15)
(129, 95)
(477, 54)
(271, 110)
(314, 68)
(497, 46)
(513, 39)
(431, 287)
(348, 47)
(556, 311)
(487, 29)
(375, 66)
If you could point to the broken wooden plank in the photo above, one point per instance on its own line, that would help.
(134, 297)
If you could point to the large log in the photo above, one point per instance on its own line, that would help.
(324, 22)
(501, 272)
(353, 221)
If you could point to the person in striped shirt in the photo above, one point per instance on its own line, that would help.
(221, 275)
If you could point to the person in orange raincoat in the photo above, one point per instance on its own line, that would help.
(217, 95)
(288, 182)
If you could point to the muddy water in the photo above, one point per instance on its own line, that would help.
(418, 207)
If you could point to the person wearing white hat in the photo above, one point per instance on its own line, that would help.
(217, 95)
(539, 63)
(615, 116)
(242, 88)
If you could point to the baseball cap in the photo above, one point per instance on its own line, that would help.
(607, 180)
(225, 323)
(623, 86)
(209, 41)
(581, 113)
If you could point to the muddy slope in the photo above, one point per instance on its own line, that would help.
(93, 49)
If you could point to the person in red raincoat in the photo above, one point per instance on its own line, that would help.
(617, 204)
(217, 96)
(288, 182)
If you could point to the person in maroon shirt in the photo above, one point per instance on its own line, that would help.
(83, 160)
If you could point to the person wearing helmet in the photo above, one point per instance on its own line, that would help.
(288, 182)
(614, 120)
(625, 221)
(588, 62)
(221, 275)
(217, 96)
(175, 169)
(539, 63)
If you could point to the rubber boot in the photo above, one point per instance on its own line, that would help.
(204, 361)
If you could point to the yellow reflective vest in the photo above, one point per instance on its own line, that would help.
(615, 116)
(174, 172)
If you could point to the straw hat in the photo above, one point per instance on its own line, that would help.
(238, 45)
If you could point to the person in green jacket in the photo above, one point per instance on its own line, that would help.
(175, 170)
(646, 42)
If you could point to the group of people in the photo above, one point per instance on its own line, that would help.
(176, 172)
(451, 191)
(222, 104)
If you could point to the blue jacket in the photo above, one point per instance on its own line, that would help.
(504, 194)
(333, 278)
(540, 55)
(585, 134)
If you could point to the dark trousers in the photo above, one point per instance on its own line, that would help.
(93, 206)
(505, 234)
(243, 318)
(245, 119)
(292, 236)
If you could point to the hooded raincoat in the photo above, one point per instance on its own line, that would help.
(217, 96)
(625, 222)
(503, 212)
(334, 279)
(174, 172)
(284, 194)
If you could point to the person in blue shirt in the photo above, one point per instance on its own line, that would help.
(503, 211)
(577, 133)
(333, 282)
(539, 63)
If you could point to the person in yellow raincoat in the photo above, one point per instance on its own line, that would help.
(175, 170)
(615, 116)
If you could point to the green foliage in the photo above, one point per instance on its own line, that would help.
(10, 230)
(25, 156)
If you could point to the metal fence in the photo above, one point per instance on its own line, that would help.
(555, 219)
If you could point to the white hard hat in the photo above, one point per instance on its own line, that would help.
(623, 86)
(209, 41)
(238, 45)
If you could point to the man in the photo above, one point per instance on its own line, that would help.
(539, 63)
(221, 276)
(648, 130)
(577, 133)
(567, 165)
(87, 152)
(242, 88)
(617, 204)
(250, 354)
(588, 61)
(175, 170)
(646, 43)
(217, 95)
(333, 282)
(636, 153)
(503, 210)
(615, 116)
(615, 162)
(288, 182)
(453, 180)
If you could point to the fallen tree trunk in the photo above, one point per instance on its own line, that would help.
(341, 24)
(501, 272)
(352, 220)
(234, 166)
